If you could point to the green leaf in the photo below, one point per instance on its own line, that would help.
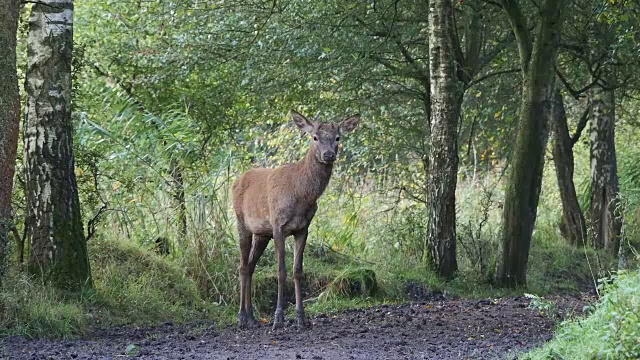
(132, 350)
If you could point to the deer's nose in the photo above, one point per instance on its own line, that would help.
(329, 156)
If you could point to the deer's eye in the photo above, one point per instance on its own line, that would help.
(315, 138)
(337, 138)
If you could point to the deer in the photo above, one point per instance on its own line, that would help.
(275, 203)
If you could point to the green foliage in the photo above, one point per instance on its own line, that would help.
(544, 307)
(132, 350)
(34, 309)
(132, 286)
(610, 332)
(137, 286)
(351, 283)
(206, 86)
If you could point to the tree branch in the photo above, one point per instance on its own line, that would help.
(500, 47)
(23, 2)
(521, 31)
(494, 3)
(91, 225)
(575, 93)
(415, 198)
(490, 75)
(20, 242)
(582, 123)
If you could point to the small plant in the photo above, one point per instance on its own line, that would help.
(132, 350)
(611, 331)
(544, 306)
(476, 242)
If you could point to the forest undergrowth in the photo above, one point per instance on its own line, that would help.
(364, 250)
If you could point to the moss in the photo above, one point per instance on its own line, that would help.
(350, 283)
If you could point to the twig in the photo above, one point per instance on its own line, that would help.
(582, 123)
(20, 241)
(490, 75)
(91, 225)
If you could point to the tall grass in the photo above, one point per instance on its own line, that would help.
(366, 245)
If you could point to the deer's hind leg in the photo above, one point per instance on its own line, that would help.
(245, 248)
(259, 244)
(300, 242)
(278, 239)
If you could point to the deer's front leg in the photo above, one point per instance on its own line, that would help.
(278, 238)
(300, 242)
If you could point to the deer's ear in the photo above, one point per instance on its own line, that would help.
(350, 123)
(302, 122)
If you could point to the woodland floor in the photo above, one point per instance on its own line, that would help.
(436, 329)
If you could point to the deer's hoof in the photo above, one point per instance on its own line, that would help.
(278, 325)
(302, 320)
(252, 322)
(243, 323)
(302, 323)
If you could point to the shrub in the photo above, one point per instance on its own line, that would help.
(612, 331)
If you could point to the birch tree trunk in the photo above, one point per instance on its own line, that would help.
(537, 60)
(605, 222)
(9, 118)
(54, 225)
(443, 158)
(573, 222)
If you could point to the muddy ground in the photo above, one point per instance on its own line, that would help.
(437, 329)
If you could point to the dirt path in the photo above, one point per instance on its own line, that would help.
(450, 329)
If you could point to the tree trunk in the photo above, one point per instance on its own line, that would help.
(443, 158)
(179, 196)
(573, 222)
(9, 119)
(625, 254)
(605, 222)
(54, 225)
(525, 175)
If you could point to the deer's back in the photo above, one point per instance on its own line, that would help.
(262, 196)
(250, 194)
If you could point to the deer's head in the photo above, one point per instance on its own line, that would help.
(325, 137)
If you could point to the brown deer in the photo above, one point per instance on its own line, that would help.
(275, 203)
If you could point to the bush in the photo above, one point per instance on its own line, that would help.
(612, 331)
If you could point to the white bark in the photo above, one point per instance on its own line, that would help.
(443, 156)
(54, 225)
(605, 222)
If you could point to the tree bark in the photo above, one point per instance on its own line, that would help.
(443, 158)
(179, 196)
(54, 225)
(573, 224)
(525, 175)
(9, 119)
(605, 221)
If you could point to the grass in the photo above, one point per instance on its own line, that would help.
(136, 286)
(34, 309)
(612, 331)
(132, 286)
(357, 256)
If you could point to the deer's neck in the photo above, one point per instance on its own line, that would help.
(313, 178)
